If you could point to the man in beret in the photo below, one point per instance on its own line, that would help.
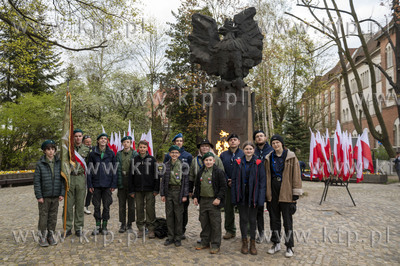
(102, 181)
(77, 188)
(124, 160)
(262, 149)
(184, 157)
(228, 158)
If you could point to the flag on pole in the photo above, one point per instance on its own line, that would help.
(337, 151)
(149, 139)
(357, 154)
(67, 151)
(366, 152)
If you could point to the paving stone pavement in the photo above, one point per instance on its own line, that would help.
(334, 233)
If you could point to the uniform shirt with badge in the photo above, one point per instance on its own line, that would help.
(176, 173)
(206, 183)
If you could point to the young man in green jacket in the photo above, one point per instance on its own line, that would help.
(49, 190)
(124, 160)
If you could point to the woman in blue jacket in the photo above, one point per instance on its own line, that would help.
(248, 192)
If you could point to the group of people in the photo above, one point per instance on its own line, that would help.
(246, 177)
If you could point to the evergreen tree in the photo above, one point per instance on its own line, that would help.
(25, 65)
(296, 134)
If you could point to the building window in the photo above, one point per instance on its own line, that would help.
(389, 56)
(396, 133)
(378, 74)
(353, 86)
(365, 79)
(333, 96)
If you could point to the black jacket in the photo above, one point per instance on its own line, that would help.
(143, 178)
(218, 183)
(184, 185)
(43, 182)
(102, 172)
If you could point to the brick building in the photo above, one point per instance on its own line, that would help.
(331, 99)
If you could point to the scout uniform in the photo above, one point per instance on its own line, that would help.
(174, 186)
(210, 185)
(77, 193)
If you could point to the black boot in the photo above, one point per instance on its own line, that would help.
(97, 230)
(122, 229)
(104, 230)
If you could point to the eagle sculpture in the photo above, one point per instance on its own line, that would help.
(234, 55)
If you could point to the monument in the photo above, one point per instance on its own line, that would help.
(231, 58)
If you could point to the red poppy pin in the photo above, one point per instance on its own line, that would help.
(258, 161)
(238, 161)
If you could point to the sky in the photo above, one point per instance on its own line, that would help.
(161, 10)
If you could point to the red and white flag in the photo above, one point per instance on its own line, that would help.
(357, 154)
(81, 161)
(337, 151)
(366, 152)
(132, 134)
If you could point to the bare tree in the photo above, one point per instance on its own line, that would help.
(336, 33)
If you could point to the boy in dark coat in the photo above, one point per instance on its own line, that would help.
(144, 186)
(174, 192)
(209, 192)
(102, 181)
(124, 160)
(49, 190)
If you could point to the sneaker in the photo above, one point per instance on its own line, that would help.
(199, 241)
(289, 253)
(51, 240)
(229, 235)
(43, 242)
(214, 250)
(86, 210)
(151, 235)
(168, 242)
(178, 243)
(122, 229)
(275, 248)
(140, 234)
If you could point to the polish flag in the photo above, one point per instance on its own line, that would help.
(312, 158)
(327, 147)
(337, 151)
(366, 152)
(149, 139)
(357, 154)
(132, 134)
(119, 144)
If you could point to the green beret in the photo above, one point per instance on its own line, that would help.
(208, 154)
(102, 135)
(174, 148)
(125, 138)
(78, 131)
(46, 142)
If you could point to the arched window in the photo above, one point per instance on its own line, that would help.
(377, 128)
(354, 134)
(389, 56)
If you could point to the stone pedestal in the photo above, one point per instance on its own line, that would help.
(230, 111)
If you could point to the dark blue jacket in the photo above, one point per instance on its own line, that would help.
(185, 157)
(228, 158)
(256, 182)
(260, 154)
(102, 173)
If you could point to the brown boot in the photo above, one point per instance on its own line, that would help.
(245, 248)
(253, 250)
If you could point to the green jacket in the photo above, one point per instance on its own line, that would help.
(197, 165)
(44, 184)
(119, 162)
